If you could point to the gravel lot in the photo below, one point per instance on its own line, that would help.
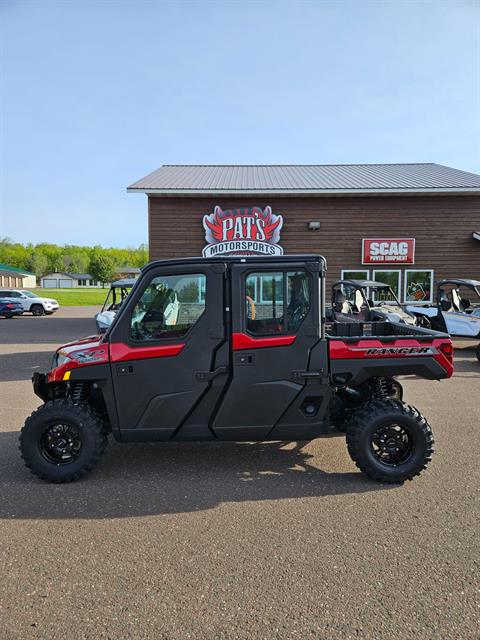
(238, 541)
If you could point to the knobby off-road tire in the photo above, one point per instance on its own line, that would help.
(390, 441)
(62, 441)
(37, 310)
(477, 352)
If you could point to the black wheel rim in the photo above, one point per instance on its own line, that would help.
(60, 444)
(392, 444)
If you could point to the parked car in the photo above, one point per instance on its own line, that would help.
(119, 290)
(232, 369)
(32, 302)
(10, 308)
(367, 300)
(452, 311)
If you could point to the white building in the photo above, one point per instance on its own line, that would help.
(61, 280)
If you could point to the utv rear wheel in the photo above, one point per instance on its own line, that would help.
(62, 441)
(37, 310)
(390, 441)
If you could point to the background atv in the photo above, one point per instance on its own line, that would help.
(248, 356)
(456, 311)
(368, 300)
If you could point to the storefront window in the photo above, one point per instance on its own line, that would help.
(418, 285)
(356, 275)
(387, 277)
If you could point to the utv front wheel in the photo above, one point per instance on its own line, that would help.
(62, 441)
(390, 441)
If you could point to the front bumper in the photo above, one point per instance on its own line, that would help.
(39, 381)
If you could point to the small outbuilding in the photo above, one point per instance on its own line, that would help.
(63, 280)
(15, 278)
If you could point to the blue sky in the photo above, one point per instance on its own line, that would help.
(97, 94)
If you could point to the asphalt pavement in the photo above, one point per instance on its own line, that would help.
(237, 541)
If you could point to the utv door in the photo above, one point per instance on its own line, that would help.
(275, 328)
(164, 348)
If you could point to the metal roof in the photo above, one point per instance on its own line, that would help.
(11, 274)
(74, 276)
(8, 267)
(307, 179)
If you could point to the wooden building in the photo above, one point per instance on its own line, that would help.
(406, 224)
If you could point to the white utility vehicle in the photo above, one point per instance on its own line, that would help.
(454, 312)
(119, 290)
(118, 293)
(32, 302)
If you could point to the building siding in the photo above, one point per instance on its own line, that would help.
(441, 225)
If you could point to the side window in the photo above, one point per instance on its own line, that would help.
(276, 302)
(169, 306)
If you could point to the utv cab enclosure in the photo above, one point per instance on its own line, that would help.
(246, 356)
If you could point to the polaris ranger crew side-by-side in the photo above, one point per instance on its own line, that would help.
(249, 356)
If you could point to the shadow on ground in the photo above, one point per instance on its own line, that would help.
(46, 329)
(21, 365)
(148, 479)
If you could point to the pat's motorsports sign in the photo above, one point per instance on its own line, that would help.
(242, 231)
(388, 251)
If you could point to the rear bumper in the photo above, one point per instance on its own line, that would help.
(12, 312)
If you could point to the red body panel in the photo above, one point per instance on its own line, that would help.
(120, 352)
(373, 348)
(242, 341)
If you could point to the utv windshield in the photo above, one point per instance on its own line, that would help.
(384, 295)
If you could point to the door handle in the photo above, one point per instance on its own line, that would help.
(124, 369)
(308, 374)
(210, 375)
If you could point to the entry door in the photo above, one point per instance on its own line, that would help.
(275, 321)
(163, 348)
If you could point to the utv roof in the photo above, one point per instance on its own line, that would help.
(237, 260)
(124, 282)
(363, 284)
(465, 281)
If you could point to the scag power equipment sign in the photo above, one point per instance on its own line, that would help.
(388, 251)
(242, 231)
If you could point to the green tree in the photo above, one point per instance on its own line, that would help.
(38, 263)
(101, 268)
